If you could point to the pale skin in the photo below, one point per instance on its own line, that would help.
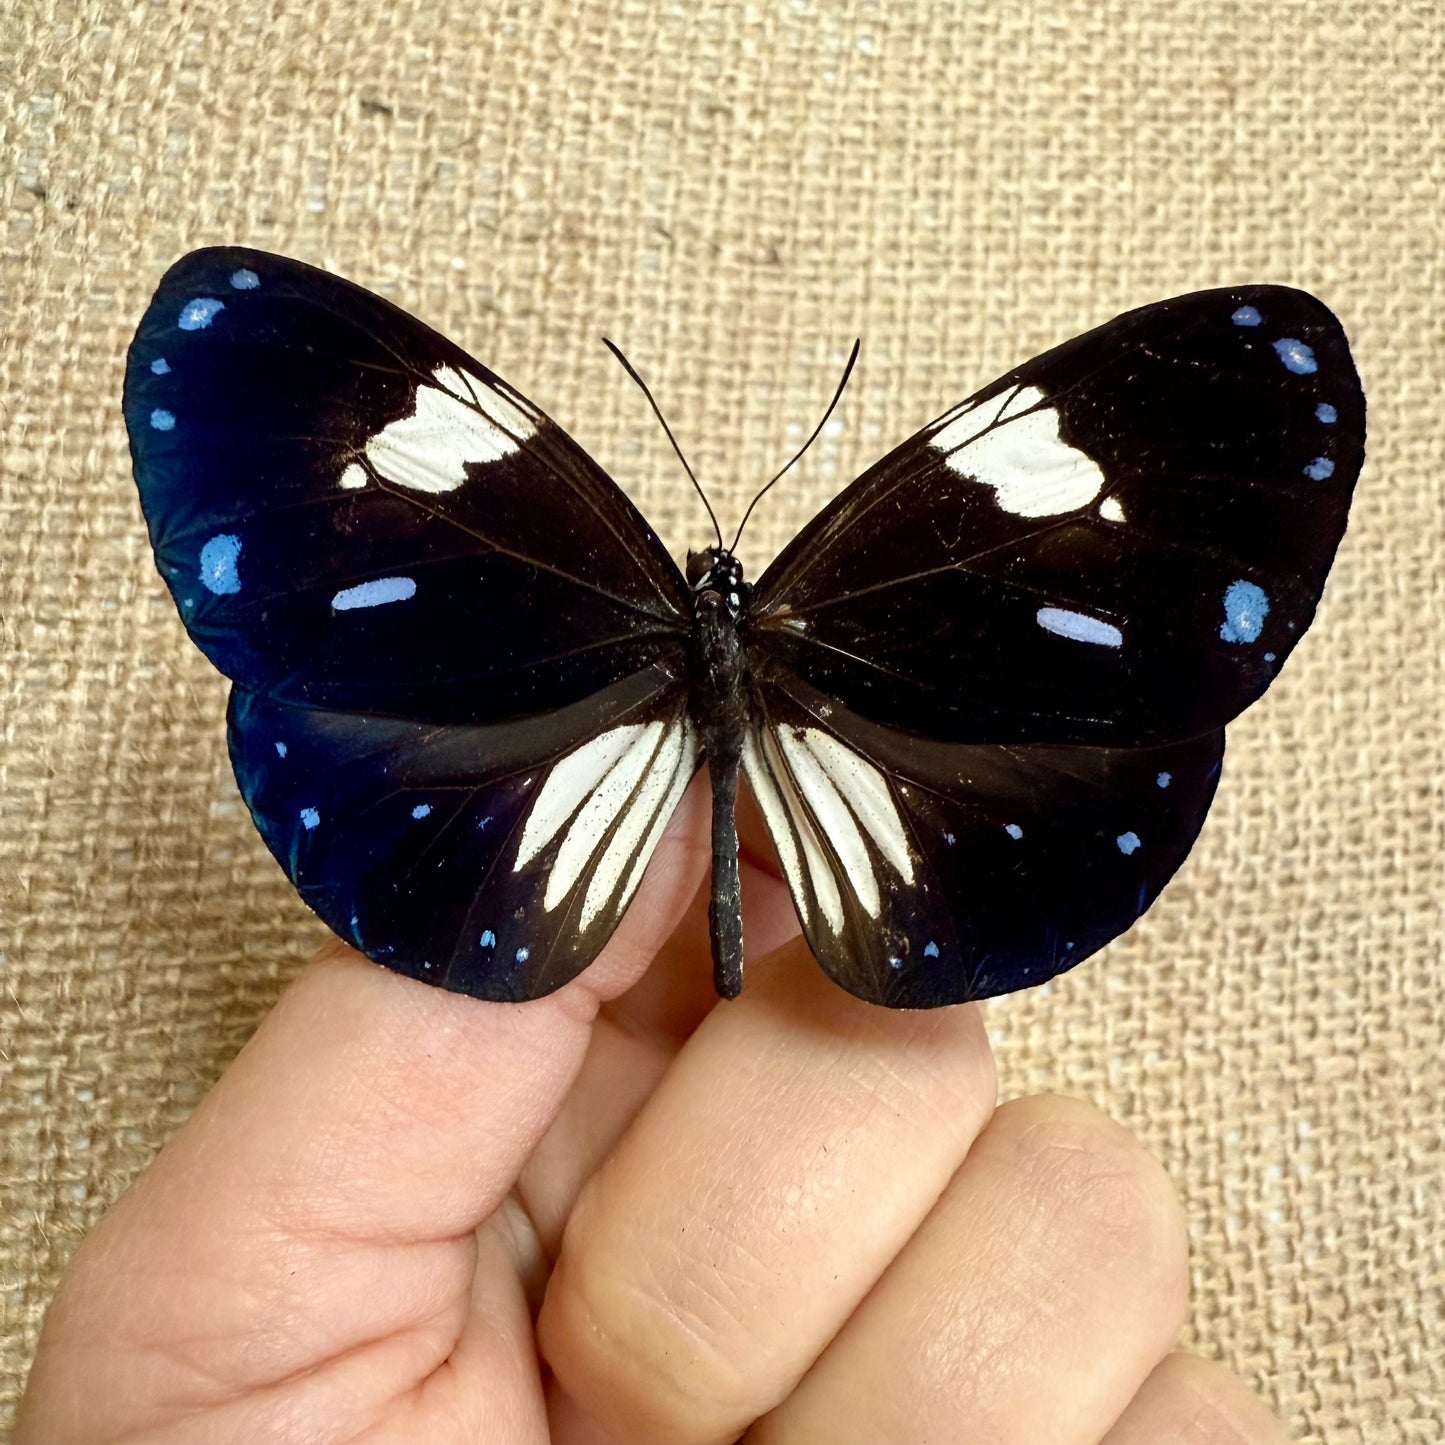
(629, 1214)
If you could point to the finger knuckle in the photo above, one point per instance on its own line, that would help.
(1109, 1198)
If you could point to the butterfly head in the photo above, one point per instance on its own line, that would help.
(716, 570)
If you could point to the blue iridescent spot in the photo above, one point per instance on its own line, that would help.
(309, 818)
(160, 366)
(1013, 830)
(488, 939)
(421, 810)
(1247, 316)
(930, 950)
(198, 314)
(895, 963)
(1269, 657)
(218, 565)
(482, 822)
(245, 279)
(1319, 469)
(1326, 413)
(1079, 627)
(1164, 779)
(163, 420)
(280, 750)
(1127, 842)
(1245, 608)
(949, 839)
(523, 954)
(1297, 357)
(374, 594)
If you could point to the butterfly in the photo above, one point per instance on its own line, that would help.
(979, 699)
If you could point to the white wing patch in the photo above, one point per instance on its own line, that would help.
(812, 788)
(568, 784)
(1016, 449)
(647, 813)
(609, 802)
(457, 420)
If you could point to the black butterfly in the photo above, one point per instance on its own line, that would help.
(980, 698)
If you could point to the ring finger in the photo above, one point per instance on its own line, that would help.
(1037, 1297)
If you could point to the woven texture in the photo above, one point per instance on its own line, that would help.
(733, 192)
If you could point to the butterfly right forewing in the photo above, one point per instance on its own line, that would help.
(1119, 542)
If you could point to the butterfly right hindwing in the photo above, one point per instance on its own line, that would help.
(929, 873)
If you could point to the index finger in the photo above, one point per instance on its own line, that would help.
(324, 1198)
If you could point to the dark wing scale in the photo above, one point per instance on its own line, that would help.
(1118, 543)
(436, 850)
(352, 513)
(987, 869)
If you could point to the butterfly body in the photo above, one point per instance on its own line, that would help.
(979, 699)
(720, 705)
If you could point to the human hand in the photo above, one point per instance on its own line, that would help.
(793, 1217)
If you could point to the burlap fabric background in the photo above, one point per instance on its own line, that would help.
(733, 191)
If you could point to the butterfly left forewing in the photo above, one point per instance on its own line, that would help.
(929, 873)
(492, 860)
(351, 512)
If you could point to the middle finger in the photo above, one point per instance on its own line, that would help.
(791, 1151)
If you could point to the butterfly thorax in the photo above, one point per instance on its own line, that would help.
(719, 598)
(718, 701)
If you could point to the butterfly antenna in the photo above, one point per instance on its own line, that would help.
(631, 370)
(837, 396)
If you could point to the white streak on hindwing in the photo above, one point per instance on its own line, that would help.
(457, 420)
(805, 866)
(1019, 453)
(585, 833)
(647, 812)
(568, 785)
(814, 859)
(776, 815)
(823, 801)
(835, 821)
(865, 791)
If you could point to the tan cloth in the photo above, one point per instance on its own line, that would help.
(733, 192)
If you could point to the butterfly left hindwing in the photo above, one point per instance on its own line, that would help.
(492, 860)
